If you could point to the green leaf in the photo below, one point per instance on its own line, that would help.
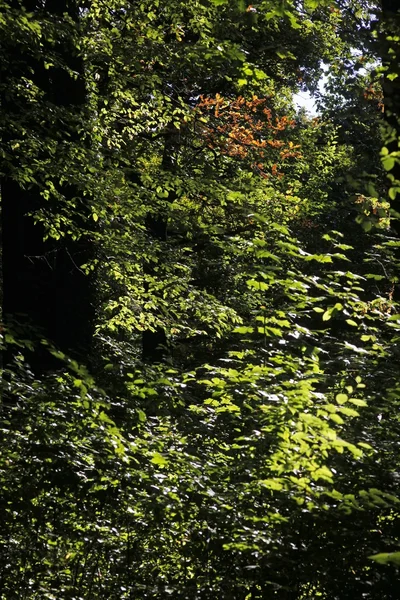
(243, 329)
(388, 162)
(393, 191)
(341, 398)
(336, 419)
(141, 415)
(357, 402)
(349, 412)
(259, 285)
(159, 460)
(105, 418)
(323, 473)
(272, 484)
(385, 558)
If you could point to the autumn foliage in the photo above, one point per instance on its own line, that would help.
(247, 130)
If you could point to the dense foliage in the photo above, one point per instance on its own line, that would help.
(200, 300)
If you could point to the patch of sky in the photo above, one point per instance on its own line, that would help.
(307, 100)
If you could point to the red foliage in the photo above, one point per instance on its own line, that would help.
(245, 129)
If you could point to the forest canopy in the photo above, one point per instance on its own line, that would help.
(200, 300)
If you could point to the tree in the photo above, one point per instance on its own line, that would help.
(232, 425)
(43, 210)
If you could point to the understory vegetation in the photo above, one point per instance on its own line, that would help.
(200, 300)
